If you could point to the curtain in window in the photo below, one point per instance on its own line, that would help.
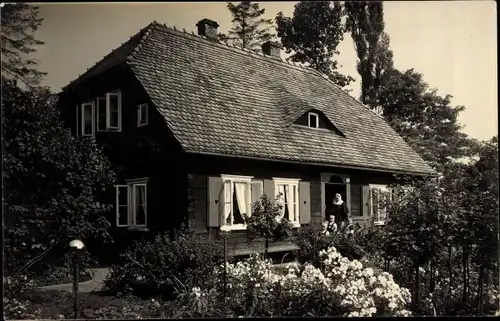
(241, 196)
(256, 191)
(281, 199)
(289, 203)
(227, 202)
(140, 204)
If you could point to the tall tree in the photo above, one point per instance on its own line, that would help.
(19, 21)
(365, 22)
(426, 120)
(312, 35)
(249, 29)
(54, 181)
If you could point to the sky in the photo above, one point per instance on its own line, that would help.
(452, 43)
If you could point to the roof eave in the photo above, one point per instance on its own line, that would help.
(390, 171)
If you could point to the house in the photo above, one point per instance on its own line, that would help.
(198, 130)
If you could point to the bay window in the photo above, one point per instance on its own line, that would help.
(237, 197)
(131, 204)
(288, 191)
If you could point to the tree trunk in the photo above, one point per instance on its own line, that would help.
(431, 278)
(266, 248)
(480, 290)
(450, 273)
(464, 270)
(417, 286)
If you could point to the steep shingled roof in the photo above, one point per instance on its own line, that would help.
(217, 99)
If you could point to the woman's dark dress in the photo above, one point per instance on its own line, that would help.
(339, 211)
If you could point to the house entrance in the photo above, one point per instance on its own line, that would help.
(333, 186)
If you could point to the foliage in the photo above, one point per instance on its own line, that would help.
(339, 288)
(365, 22)
(313, 239)
(267, 222)
(312, 35)
(14, 304)
(426, 120)
(58, 275)
(56, 304)
(53, 180)
(19, 22)
(249, 29)
(441, 237)
(166, 264)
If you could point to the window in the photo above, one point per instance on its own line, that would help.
(380, 196)
(238, 195)
(142, 115)
(101, 114)
(131, 204)
(113, 110)
(87, 118)
(288, 190)
(313, 120)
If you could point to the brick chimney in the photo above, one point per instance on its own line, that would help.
(272, 48)
(207, 28)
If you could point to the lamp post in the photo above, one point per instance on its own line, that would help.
(76, 246)
(225, 231)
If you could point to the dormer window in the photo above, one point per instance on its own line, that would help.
(312, 120)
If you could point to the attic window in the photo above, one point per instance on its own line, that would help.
(312, 120)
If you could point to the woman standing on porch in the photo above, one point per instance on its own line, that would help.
(339, 210)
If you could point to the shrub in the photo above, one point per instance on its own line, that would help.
(266, 222)
(14, 304)
(165, 264)
(312, 240)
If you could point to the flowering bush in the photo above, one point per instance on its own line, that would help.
(339, 287)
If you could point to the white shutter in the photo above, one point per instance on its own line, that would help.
(257, 189)
(215, 204)
(304, 203)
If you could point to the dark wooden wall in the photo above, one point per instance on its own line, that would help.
(201, 167)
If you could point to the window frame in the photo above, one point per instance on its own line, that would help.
(290, 182)
(99, 107)
(232, 179)
(309, 114)
(82, 119)
(141, 122)
(118, 94)
(118, 205)
(379, 218)
(131, 185)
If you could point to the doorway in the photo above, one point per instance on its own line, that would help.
(330, 190)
